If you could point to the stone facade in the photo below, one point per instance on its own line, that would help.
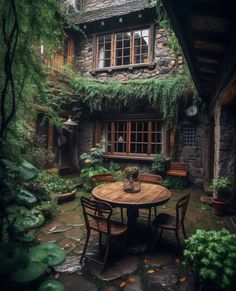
(227, 145)
(164, 62)
(193, 156)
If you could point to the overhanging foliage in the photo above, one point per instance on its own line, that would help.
(167, 95)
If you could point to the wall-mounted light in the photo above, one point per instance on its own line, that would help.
(85, 26)
(140, 15)
(120, 139)
(120, 19)
(102, 23)
(70, 122)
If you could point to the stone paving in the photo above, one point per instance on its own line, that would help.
(159, 270)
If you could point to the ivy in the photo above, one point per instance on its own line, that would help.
(166, 96)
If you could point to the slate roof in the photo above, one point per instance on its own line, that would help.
(108, 12)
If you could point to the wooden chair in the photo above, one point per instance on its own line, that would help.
(172, 222)
(154, 179)
(97, 218)
(106, 178)
(178, 170)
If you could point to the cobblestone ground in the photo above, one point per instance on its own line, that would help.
(127, 270)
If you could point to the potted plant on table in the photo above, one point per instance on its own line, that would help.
(211, 257)
(221, 194)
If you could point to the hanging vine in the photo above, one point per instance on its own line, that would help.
(166, 96)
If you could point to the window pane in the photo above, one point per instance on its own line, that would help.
(145, 33)
(156, 148)
(189, 135)
(123, 42)
(104, 51)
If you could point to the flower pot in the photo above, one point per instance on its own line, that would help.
(220, 206)
(65, 197)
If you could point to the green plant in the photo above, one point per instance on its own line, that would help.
(220, 186)
(131, 172)
(93, 165)
(211, 255)
(159, 164)
(175, 183)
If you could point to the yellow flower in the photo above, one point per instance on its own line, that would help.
(92, 149)
(87, 161)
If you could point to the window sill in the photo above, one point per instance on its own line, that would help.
(150, 66)
(128, 157)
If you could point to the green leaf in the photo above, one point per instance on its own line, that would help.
(28, 273)
(25, 198)
(51, 285)
(55, 253)
(12, 257)
(27, 171)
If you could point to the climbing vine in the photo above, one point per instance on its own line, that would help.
(166, 96)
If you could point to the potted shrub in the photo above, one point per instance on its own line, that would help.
(211, 257)
(221, 193)
(131, 172)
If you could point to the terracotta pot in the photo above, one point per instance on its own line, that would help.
(220, 206)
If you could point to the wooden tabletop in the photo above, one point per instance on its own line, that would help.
(149, 195)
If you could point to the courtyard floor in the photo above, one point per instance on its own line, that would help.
(139, 270)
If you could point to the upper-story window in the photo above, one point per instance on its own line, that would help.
(123, 48)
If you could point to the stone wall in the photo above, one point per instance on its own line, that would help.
(227, 144)
(165, 62)
(193, 156)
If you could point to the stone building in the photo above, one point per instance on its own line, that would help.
(121, 40)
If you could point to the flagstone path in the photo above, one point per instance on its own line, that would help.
(144, 271)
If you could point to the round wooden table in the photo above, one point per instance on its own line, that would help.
(150, 195)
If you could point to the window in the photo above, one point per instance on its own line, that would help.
(189, 135)
(123, 48)
(133, 137)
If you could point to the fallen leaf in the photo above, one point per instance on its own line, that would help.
(122, 284)
(145, 262)
(182, 279)
(131, 279)
(178, 261)
(151, 271)
(56, 276)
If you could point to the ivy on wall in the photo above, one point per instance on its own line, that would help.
(167, 95)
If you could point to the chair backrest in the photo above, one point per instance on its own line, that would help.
(96, 214)
(106, 177)
(178, 166)
(150, 178)
(181, 208)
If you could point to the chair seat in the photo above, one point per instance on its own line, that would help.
(164, 220)
(116, 227)
(178, 173)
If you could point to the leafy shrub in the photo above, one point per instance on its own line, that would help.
(211, 255)
(93, 165)
(159, 164)
(176, 183)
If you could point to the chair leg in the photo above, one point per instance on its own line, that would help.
(85, 246)
(149, 216)
(122, 215)
(154, 239)
(177, 237)
(100, 240)
(106, 255)
(184, 232)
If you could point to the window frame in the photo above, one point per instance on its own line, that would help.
(128, 153)
(149, 27)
